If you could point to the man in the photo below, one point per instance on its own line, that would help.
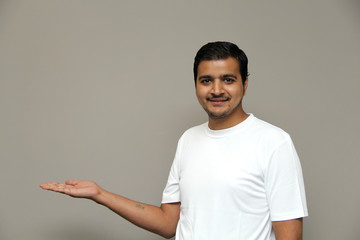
(234, 177)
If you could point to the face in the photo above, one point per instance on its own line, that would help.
(219, 88)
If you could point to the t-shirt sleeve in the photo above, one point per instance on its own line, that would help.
(171, 192)
(284, 183)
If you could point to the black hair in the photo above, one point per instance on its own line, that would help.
(221, 50)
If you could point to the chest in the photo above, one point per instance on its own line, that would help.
(225, 171)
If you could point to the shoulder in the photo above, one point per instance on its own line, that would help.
(268, 132)
(194, 131)
(191, 134)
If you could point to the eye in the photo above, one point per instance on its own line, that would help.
(205, 81)
(228, 80)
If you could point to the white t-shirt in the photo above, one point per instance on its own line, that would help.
(233, 183)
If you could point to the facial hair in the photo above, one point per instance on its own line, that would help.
(224, 114)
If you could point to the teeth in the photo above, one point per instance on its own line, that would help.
(218, 99)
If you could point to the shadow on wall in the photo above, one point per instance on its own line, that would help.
(89, 232)
(77, 233)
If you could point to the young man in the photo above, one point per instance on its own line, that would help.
(234, 177)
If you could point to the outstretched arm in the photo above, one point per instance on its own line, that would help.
(160, 220)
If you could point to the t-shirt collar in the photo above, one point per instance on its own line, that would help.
(227, 131)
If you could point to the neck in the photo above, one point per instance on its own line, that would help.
(227, 122)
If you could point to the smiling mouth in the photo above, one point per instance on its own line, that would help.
(218, 101)
(215, 99)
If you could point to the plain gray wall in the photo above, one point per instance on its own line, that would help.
(102, 90)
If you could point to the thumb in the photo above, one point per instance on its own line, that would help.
(72, 182)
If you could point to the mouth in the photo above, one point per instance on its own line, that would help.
(217, 100)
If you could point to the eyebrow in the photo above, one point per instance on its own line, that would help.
(229, 75)
(205, 77)
(221, 76)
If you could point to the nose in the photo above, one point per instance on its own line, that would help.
(217, 87)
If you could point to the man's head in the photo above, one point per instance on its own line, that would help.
(220, 51)
(220, 72)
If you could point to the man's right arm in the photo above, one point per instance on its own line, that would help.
(160, 220)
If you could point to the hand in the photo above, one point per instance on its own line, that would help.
(74, 188)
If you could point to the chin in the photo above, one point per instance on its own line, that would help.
(217, 115)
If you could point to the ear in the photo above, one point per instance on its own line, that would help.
(245, 85)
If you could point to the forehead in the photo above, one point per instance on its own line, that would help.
(221, 66)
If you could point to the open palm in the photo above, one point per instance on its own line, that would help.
(74, 188)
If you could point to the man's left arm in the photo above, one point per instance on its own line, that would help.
(288, 229)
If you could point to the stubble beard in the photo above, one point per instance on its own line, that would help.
(224, 114)
(216, 116)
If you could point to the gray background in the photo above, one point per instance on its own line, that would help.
(102, 90)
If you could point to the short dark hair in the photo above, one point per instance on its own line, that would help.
(221, 50)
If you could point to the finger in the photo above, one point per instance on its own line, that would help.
(57, 187)
(48, 185)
